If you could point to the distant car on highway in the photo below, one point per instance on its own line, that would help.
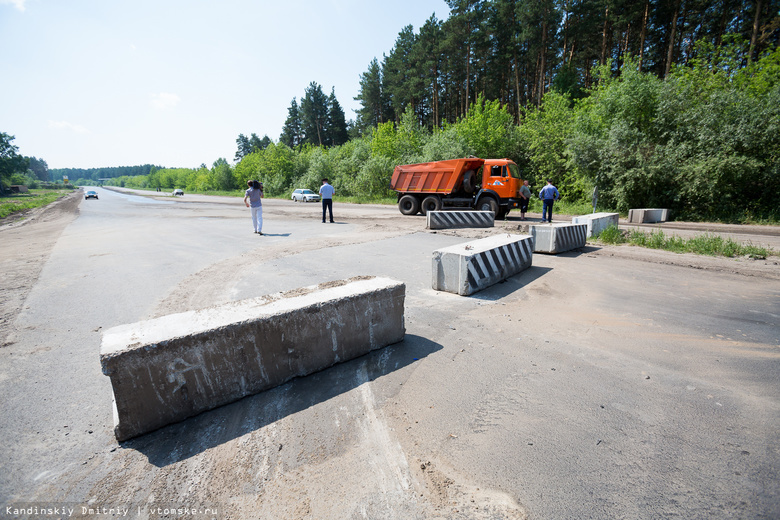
(178, 192)
(90, 194)
(302, 195)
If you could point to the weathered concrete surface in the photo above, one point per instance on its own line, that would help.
(460, 219)
(557, 238)
(470, 267)
(597, 222)
(647, 215)
(170, 368)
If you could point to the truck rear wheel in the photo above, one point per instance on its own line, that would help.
(430, 203)
(488, 204)
(469, 181)
(409, 205)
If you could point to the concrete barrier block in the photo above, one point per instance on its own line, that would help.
(170, 368)
(472, 266)
(460, 219)
(647, 215)
(557, 238)
(597, 222)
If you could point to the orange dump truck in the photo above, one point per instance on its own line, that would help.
(482, 184)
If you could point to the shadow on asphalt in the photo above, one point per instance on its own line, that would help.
(177, 442)
(506, 287)
(574, 253)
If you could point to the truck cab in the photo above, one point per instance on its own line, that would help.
(501, 184)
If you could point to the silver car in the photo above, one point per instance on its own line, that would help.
(302, 195)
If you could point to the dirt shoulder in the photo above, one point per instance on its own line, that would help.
(28, 239)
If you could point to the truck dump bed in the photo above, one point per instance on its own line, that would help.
(443, 177)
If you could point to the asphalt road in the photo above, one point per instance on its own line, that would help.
(589, 386)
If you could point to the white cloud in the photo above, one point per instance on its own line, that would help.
(68, 126)
(164, 100)
(18, 3)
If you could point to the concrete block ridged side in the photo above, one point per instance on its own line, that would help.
(558, 238)
(647, 215)
(470, 267)
(242, 348)
(597, 222)
(460, 219)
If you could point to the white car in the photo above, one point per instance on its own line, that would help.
(302, 195)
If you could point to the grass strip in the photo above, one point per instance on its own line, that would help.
(19, 202)
(706, 244)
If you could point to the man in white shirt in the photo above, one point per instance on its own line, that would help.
(326, 194)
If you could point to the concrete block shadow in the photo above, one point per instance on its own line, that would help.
(514, 283)
(177, 442)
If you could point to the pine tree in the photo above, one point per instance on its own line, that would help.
(291, 132)
(244, 148)
(314, 115)
(371, 98)
(337, 123)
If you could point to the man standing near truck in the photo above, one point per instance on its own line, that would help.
(549, 195)
(525, 198)
(326, 194)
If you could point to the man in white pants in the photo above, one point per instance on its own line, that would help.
(253, 200)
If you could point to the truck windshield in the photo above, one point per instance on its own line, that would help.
(514, 171)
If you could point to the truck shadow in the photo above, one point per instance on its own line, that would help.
(177, 442)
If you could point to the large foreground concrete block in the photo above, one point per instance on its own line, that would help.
(170, 368)
(469, 267)
(597, 222)
(460, 219)
(647, 215)
(557, 238)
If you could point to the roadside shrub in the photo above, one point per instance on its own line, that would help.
(611, 235)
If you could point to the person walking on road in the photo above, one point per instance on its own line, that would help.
(525, 198)
(326, 194)
(549, 194)
(253, 200)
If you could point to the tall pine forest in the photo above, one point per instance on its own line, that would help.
(659, 103)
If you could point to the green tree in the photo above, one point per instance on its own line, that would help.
(10, 160)
(40, 168)
(259, 144)
(314, 115)
(371, 98)
(244, 148)
(336, 123)
(489, 128)
(398, 81)
(223, 175)
(292, 133)
(544, 133)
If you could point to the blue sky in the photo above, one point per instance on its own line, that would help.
(95, 83)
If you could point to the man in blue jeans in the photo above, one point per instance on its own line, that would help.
(326, 194)
(549, 194)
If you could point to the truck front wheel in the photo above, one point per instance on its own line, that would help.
(430, 203)
(409, 205)
(488, 204)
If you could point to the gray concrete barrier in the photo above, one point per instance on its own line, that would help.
(170, 368)
(647, 215)
(597, 222)
(557, 238)
(459, 219)
(472, 266)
